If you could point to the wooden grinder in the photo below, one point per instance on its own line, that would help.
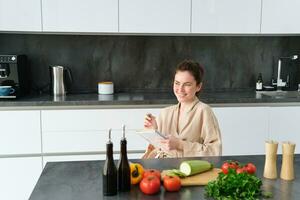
(270, 170)
(287, 167)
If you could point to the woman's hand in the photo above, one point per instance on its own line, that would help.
(171, 143)
(150, 122)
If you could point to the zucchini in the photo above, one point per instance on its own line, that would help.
(192, 167)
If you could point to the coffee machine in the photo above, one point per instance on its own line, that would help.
(14, 72)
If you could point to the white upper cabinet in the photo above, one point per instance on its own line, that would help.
(280, 16)
(230, 16)
(154, 16)
(20, 15)
(80, 16)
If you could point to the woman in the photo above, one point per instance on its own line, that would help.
(190, 126)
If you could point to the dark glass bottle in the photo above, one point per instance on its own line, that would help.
(109, 175)
(259, 83)
(123, 167)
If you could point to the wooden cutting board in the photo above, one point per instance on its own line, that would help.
(202, 178)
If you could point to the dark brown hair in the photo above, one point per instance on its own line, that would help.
(193, 67)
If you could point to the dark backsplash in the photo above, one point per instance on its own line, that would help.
(146, 63)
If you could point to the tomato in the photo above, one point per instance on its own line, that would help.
(229, 165)
(240, 170)
(152, 172)
(250, 168)
(150, 185)
(172, 183)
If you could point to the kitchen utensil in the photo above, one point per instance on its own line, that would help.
(202, 178)
(6, 90)
(287, 167)
(270, 169)
(59, 76)
(105, 88)
(14, 72)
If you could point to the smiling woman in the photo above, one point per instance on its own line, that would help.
(190, 127)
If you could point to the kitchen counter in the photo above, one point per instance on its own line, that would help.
(228, 98)
(83, 180)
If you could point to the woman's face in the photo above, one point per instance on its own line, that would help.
(185, 86)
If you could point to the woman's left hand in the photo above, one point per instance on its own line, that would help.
(171, 143)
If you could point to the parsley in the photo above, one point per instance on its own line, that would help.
(233, 186)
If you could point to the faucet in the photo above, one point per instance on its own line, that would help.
(280, 83)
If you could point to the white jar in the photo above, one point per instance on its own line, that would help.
(105, 88)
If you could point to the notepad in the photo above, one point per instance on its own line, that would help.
(152, 136)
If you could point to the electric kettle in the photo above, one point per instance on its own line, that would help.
(60, 79)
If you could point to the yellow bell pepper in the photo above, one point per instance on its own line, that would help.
(136, 173)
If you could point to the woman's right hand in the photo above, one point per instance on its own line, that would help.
(150, 121)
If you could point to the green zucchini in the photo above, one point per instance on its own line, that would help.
(192, 167)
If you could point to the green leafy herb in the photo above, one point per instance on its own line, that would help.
(233, 186)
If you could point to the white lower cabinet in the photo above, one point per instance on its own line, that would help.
(284, 126)
(18, 176)
(87, 130)
(87, 157)
(243, 129)
(20, 132)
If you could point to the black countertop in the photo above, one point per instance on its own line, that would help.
(83, 180)
(159, 98)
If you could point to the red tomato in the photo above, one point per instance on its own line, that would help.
(150, 185)
(250, 168)
(229, 165)
(172, 183)
(152, 172)
(240, 170)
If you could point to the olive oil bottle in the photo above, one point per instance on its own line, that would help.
(109, 175)
(123, 167)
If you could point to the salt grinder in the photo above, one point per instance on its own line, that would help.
(270, 170)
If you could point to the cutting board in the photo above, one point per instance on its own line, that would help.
(202, 178)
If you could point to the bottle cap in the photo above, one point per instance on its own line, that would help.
(123, 128)
(109, 137)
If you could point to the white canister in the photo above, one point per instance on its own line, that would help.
(105, 88)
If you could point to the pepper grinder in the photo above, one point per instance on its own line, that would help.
(270, 170)
(287, 167)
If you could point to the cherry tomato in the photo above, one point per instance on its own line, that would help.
(240, 170)
(152, 172)
(150, 185)
(250, 168)
(172, 183)
(229, 165)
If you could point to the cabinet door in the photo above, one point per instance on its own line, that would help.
(20, 15)
(230, 16)
(284, 126)
(19, 176)
(154, 16)
(20, 132)
(87, 130)
(87, 157)
(80, 16)
(243, 129)
(280, 16)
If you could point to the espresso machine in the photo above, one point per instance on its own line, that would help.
(14, 72)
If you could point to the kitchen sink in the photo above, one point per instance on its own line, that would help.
(281, 94)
